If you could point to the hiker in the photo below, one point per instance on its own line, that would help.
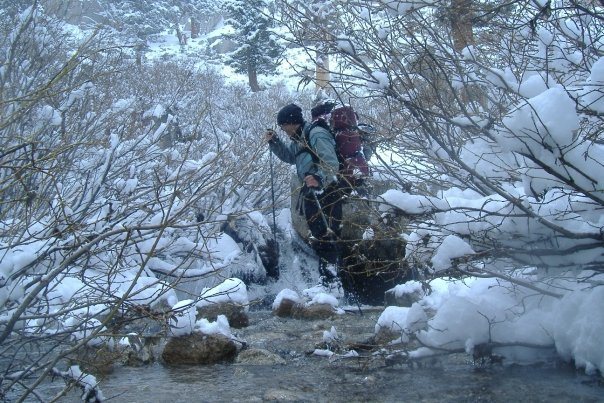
(317, 168)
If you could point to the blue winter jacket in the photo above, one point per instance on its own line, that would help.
(323, 144)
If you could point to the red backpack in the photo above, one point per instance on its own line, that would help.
(349, 147)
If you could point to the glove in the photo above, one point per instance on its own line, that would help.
(312, 181)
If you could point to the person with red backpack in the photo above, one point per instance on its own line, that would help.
(312, 149)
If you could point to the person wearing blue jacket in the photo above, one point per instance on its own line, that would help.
(312, 149)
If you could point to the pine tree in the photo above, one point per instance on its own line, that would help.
(258, 49)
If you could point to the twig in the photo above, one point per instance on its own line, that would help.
(90, 390)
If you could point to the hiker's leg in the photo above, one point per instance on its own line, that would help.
(313, 217)
(323, 242)
(333, 201)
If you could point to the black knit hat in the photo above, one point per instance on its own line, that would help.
(290, 114)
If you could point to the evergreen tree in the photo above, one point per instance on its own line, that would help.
(147, 17)
(258, 49)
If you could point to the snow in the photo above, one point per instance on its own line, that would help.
(324, 298)
(16, 259)
(480, 310)
(231, 290)
(220, 326)
(393, 318)
(345, 45)
(379, 80)
(532, 85)
(409, 287)
(222, 248)
(286, 293)
(50, 115)
(409, 203)
(593, 92)
(331, 335)
(451, 247)
(184, 319)
(89, 382)
(368, 234)
(81, 330)
(468, 53)
(61, 292)
(323, 352)
(402, 7)
(578, 325)
(365, 14)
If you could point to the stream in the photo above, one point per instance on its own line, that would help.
(369, 377)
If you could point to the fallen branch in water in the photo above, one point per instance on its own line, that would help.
(88, 383)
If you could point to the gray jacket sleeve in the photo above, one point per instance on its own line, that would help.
(324, 145)
(282, 151)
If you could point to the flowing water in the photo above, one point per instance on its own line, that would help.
(368, 378)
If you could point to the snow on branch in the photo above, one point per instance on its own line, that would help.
(87, 383)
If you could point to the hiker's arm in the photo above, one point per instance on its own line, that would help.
(282, 151)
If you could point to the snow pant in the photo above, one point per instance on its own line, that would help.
(319, 209)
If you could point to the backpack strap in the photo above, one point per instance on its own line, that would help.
(307, 148)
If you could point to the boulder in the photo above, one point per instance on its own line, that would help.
(288, 308)
(141, 350)
(284, 309)
(258, 356)
(313, 312)
(98, 360)
(255, 239)
(235, 313)
(373, 266)
(197, 348)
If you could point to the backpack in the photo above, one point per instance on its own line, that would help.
(349, 146)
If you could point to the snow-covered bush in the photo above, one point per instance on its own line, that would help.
(117, 181)
(493, 115)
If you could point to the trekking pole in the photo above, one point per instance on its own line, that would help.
(272, 265)
(270, 161)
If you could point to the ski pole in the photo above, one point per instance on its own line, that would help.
(270, 159)
(273, 270)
